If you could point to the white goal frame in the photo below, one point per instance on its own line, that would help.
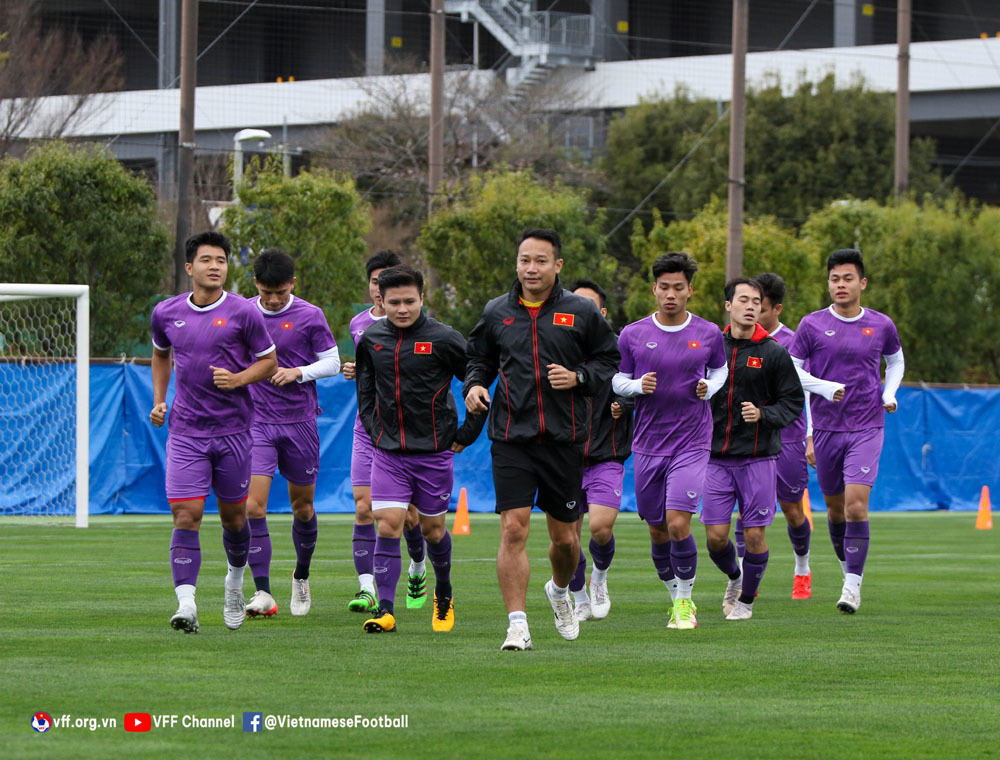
(19, 291)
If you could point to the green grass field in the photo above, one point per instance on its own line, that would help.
(913, 675)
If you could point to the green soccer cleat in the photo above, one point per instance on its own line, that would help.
(416, 591)
(671, 617)
(684, 614)
(363, 601)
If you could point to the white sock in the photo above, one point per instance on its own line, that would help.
(598, 576)
(580, 597)
(684, 588)
(853, 582)
(185, 594)
(234, 578)
(559, 592)
(739, 561)
(843, 566)
(672, 588)
(416, 568)
(367, 581)
(518, 617)
(802, 564)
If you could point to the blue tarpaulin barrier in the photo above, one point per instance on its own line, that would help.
(940, 448)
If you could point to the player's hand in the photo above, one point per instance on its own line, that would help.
(159, 414)
(838, 395)
(649, 383)
(751, 413)
(224, 379)
(890, 407)
(348, 368)
(477, 400)
(701, 390)
(616, 410)
(285, 375)
(457, 448)
(810, 452)
(560, 378)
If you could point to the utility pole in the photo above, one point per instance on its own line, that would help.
(435, 148)
(903, 18)
(737, 140)
(185, 137)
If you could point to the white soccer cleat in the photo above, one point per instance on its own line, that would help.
(301, 598)
(582, 611)
(518, 639)
(740, 611)
(733, 589)
(262, 604)
(850, 600)
(185, 619)
(566, 623)
(234, 609)
(600, 602)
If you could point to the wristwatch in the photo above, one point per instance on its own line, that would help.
(579, 377)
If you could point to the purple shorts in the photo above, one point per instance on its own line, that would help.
(424, 480)
(793, 471)
(673, 482)
(197, 465)
(293, 449)
(846, 458)
(602, 484)
(751, 482)
(361, 458)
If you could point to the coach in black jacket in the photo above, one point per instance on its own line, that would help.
(551, 349)
(761, 396)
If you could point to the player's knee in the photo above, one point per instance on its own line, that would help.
(256, 509)
(716, 543)
(185, 520)
(303, 510)
(513, 534)
(433, 532)
(601, 533)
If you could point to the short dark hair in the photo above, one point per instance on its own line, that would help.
(846, 256)
(543, 233)
(400, 277)
(675, 262)
(382, 260)
(591, 285)
(213, 238)
(730, 289)
(772, 287)
(274, 268)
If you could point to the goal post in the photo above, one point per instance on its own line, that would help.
(35, 335)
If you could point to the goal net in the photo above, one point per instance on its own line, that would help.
(44, 400)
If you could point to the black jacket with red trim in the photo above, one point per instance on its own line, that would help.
(404, 387)
(609, 439)
(568, 330)
(761, 372)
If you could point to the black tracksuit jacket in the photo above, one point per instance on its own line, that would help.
(609, 439)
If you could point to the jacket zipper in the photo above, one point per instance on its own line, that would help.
(729, 405)
(399, 400)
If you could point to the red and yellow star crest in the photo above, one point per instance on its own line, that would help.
(422, 348)
(563, 320)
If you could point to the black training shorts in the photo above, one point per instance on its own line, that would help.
(553, 471)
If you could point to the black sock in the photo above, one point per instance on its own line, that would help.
(301, 572)
(263, 583)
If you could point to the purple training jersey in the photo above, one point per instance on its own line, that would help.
(795, 432)
(359, 324)
(300, 333)
(672, 419)
(229, 334)
(849, 352)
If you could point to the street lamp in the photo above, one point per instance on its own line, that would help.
(242, 136)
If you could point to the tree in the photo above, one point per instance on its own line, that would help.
(75, 215)
(472, 243)
(802, 151)
(319, 219)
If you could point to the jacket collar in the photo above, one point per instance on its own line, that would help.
(516, 291)
(759, 333)
(420, 321)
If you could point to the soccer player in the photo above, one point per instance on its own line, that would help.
(552, 350)
(845, 344)
(792, 468)
(673, 362)
(609, 444)
(363, 540)
(761, 396)
(220, 345)
(284, 427)
(405, 365)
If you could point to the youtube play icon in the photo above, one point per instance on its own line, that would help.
(138, 722)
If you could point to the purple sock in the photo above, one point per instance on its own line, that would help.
(684, 558)
(726, 561)
(387, 565)
(579, 579)
(260, 553)
(304, 540)
(364, 548)
(661, 560)
(741, 546)
(856, 546)
(602, 554)
(440, 556)
(185, 557)
(837, 531)
(237, 545)
(414, 543)
(800, 538)
(754, 566)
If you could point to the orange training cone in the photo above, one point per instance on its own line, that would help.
(984, 520)
(805, 507)
(461, 525)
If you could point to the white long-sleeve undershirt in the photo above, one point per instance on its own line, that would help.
(623, 384)
(894, 367)
(327, 365)
(824, 388)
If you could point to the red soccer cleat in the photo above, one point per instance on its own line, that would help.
(802, 587)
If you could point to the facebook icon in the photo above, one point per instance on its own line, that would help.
(253, 722)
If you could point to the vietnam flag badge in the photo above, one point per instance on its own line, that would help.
(867, 331)
(563, 320)
(287, 325)
(755, 362)
(219, 322)
(694, 344)
(423, 348)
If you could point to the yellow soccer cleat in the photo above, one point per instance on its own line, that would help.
(444, 614)
(384, 623)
